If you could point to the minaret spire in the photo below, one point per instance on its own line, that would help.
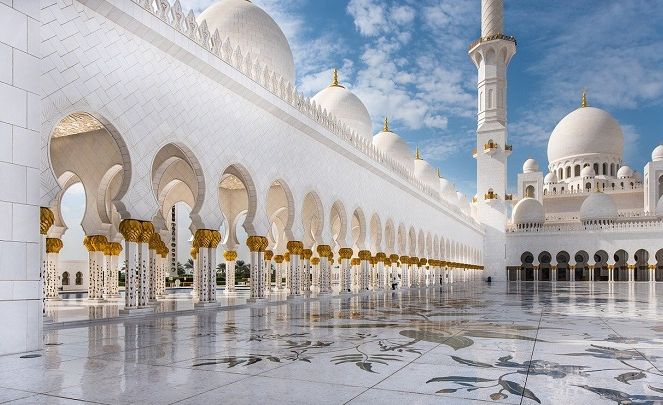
(386, 125)
(492, 128)
(418, 156)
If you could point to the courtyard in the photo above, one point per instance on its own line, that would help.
(507, 343)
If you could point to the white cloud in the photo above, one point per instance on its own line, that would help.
(369, 16)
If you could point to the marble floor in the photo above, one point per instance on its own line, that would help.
(511, 344)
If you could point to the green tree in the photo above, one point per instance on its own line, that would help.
(180, 269)
(242, 270)
(188, 266)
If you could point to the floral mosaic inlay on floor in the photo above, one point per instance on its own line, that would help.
(523, 343)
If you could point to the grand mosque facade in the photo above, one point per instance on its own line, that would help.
(147, 105)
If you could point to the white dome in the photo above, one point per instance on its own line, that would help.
(250, 27)
(624, 172)
(657, 154)
(550, 178)
(528, 211)
(530, 166)
(447, 190)
(587, 171)
(598, 206)
(425, 173)
(394, 146)
(347, 107)
(587, 130)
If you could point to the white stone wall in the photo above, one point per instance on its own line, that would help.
(151, 86)
(20, 282)
(73, 267)
(591, 241)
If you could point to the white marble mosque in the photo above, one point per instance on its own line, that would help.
(550, 295)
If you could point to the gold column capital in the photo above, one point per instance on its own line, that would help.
(286, 256)
(414, 260)
(355, 261)
(278, 259)
(147, 231)
(194, 252)
(380, 256)
(257, 243)
(216, 239)
(230, 255)
(269, 255)
(155, 241)
(131, 229)
(46, 220)
(315, 261)
(345, 253)
(393, 258)
(405, 259)
(295, 247)
(53, 245)
(423, 261)
(364, 255)
(307, 254)
(116, 248)
(325, 251)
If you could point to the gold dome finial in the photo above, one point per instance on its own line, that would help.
(418, 156)
(438, 173)
(386, 125)
(335, 82)
(583, 102)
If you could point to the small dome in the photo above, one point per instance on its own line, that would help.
(250, 27)
(550, 178)
(425, 173)
(394, 146)
(625, 172)
(587, 171)
(528, 211)
(598, 206)
(587, 130)
(530, 166)
(657, 154)
(346, 106)
(447, 190)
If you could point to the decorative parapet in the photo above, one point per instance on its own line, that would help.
(490, 195)
(651, 223)
(493, 38)
(251, 67)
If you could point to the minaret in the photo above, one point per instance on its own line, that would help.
(491, 54)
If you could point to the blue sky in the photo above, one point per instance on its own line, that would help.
(408, 59)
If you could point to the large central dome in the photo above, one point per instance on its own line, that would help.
(250, 27)
(587, 130)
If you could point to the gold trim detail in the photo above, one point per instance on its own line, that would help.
(53, 245)
(46, 220)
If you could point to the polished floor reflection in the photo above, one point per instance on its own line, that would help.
(518, 343)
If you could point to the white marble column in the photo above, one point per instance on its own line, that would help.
(295, 249)
(52, 275)
(306, 271)
(230, 257)
(211, 260)
(364, 269)
(405, 272)
(257, 246)
(345, 254)
(131, 229)
(393, 259)
(380, 270)
(278, 272)
(414, 272)
(267, 270)
(203, 238)
(144, 263)
(154, 244)
(325, 253)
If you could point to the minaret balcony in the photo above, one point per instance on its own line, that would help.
(490, 148)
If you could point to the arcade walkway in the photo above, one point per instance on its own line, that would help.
(528, 343)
